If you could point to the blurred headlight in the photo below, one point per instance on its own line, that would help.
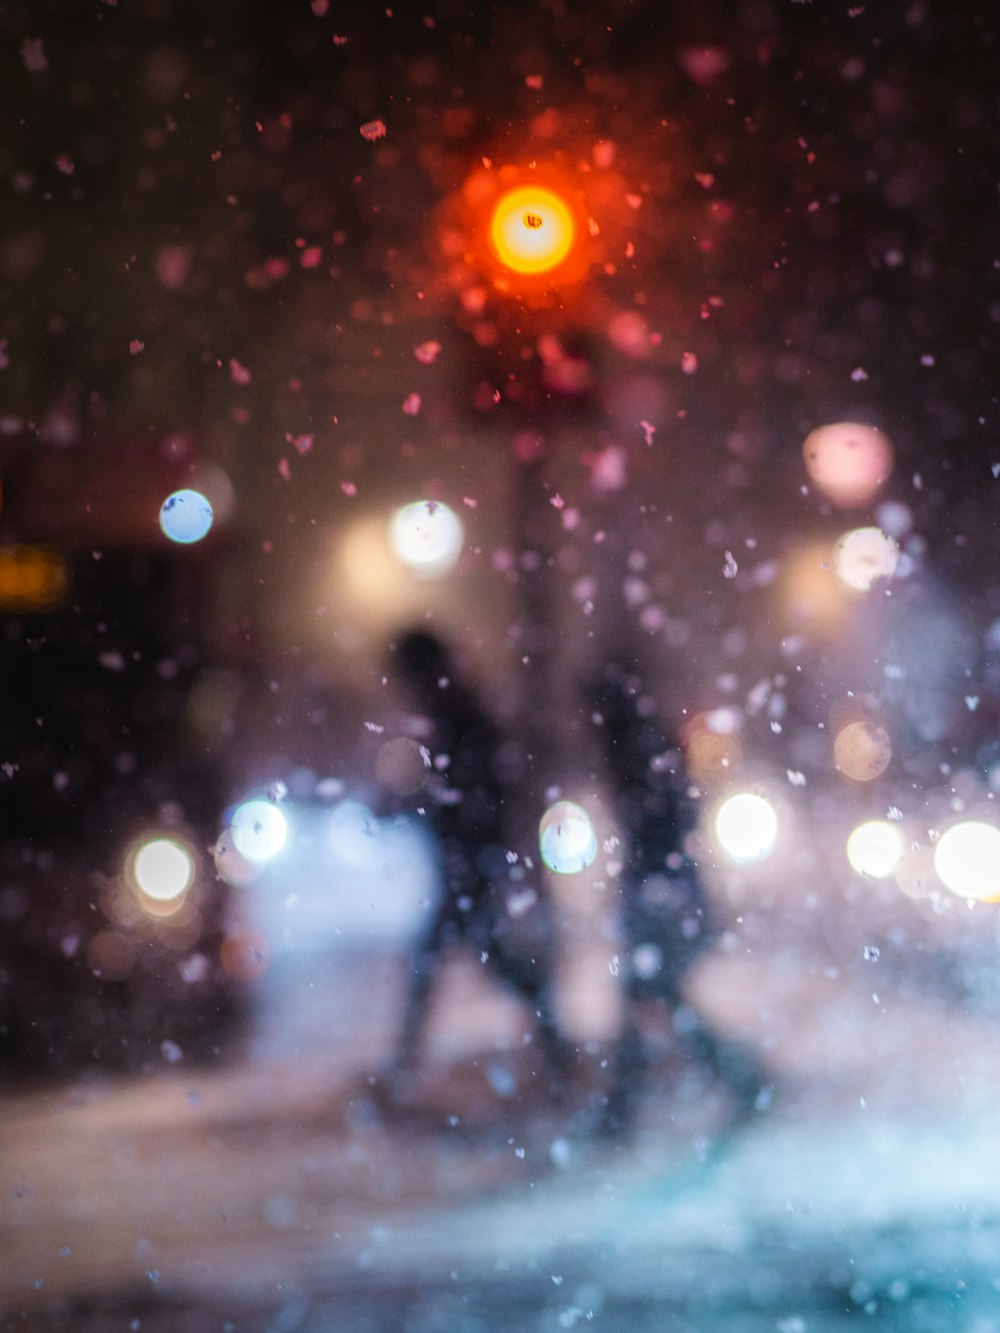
(746, 826)
(160, 871)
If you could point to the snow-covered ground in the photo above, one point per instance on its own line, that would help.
(283, 1192)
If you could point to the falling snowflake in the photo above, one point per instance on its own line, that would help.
(33, 55)
(171, 1052)
(427, 353)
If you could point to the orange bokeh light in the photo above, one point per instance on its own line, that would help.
(862, 751)
(532, 229)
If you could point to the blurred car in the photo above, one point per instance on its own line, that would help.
(110, 792)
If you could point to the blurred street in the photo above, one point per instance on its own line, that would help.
(525, 478)
(281, 1191)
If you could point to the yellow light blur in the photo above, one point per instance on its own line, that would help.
(368, 570)
(812, 592)
(532, 229)
(848, 462)
(746, 826)
(967, 860)
(863, 556)
(862, 751)
(32, 578)
(874, 849)
(160, 872)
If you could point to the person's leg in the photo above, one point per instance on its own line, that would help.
(732, 1061)
(616, 1117)
(425, 965)
(446, 928)
(524, 960)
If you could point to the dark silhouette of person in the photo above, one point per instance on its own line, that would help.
(486, 903)
(666, 923)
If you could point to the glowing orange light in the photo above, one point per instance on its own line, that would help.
(532, 229)
(32, 578)
(862, 751)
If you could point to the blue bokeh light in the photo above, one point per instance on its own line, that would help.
(186, 516)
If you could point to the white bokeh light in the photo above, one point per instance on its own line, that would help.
(161, 869)
(967, 860)
(427, 537)
(258, 830)
(863, 556)
(566, 838)
(746, 826)
(874, 848)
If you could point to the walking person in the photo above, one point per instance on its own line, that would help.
(666, 922)
(486, 904)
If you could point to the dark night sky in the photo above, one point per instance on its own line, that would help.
(801, 202)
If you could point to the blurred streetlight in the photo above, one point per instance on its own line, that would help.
(532, 229)
(524, 233)
(746, 825)
(160, 871)
(967, 860)
(427, 536)
(526, 230)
